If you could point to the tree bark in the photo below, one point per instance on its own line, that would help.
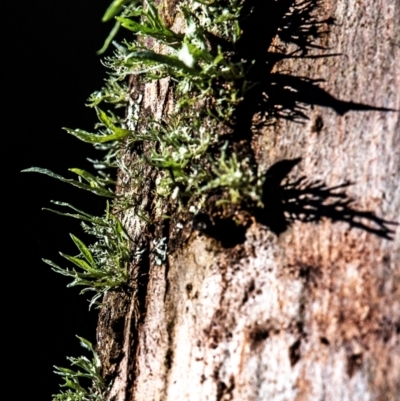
(307, 306)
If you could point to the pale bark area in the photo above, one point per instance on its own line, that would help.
(314, 313)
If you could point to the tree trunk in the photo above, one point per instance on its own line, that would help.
(307, 305)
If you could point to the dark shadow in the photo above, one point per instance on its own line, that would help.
(224, 230)
(286, 96)
(269, 26)
(308, 201)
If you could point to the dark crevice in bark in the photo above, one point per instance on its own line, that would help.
(258, 335)
(225, 230)
(354, 362)
(294, 352)
(139, 313)
(143, 281)
(140, 278)
(224, 391)
(166, 234)
(169, 353)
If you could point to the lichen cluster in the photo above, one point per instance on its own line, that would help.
(189, 147)
(192, 158)
(188, 152)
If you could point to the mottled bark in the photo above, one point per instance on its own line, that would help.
(308, 306)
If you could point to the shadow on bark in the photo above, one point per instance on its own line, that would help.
(309, 201)
(276, 96)
(269, 28)
(265, 38)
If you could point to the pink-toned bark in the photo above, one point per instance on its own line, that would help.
(314, 313)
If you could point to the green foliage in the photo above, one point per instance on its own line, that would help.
(191, 159)
(112, 131)
(199, 69)
(83, 369)
(96, 185)
(102, 266)
(116, 7)
(114, 92)
(152, 25)
(218, 19)
(205, 76)
(237, 177)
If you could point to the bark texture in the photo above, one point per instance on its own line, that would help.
(308, 306)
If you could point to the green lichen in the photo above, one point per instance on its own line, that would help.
(191, 158)
(193, 161)
(209, 85)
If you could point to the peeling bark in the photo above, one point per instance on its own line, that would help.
(308, 306)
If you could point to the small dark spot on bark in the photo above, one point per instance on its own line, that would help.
(168, 358)
(304, 272)
(250, 288)
(170, 328)
(245, 297)
(225, 230)
(216, 373)
(214, 334)
(221, 387)
(189, 288)
(201, 222)
(118, 328)
(228, 233)
(202, 379)
(258, 335)
(300, 327)
(353, 363)
(224, 391)
(324, 341)
(318, 125)
(331, 21)
(294, 352)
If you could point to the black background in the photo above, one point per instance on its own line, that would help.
(49, 68)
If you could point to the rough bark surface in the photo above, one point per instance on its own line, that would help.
(308, 306)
